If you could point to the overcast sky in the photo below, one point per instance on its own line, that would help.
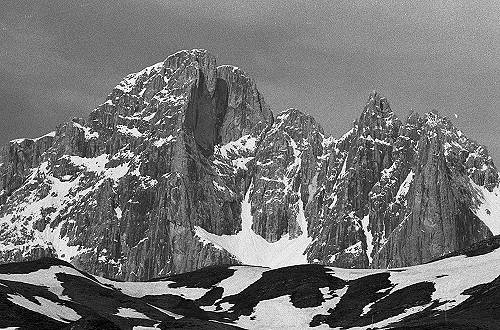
(60, 58)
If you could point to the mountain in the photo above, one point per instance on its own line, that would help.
(185, 166)
(52, 294)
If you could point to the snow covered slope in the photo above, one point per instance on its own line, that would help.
(461, 291)
(252, 249)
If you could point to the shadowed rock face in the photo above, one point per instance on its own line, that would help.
(205, 114)
(155, 182)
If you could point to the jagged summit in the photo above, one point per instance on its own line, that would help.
(184, 165)
(380, 102)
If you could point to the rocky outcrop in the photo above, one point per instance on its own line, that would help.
(185, 166)
(17, 159)
(246, 108)
(282, 172)
(438, 217)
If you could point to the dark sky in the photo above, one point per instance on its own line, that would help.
(60, 58)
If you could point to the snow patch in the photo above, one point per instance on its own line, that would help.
(241, 279)
(44, 277)
(397, 318)
(334, 201)
(46, 307)
(279, 313)
(354, 249)
(343, 172)
(51, 134)
(405, 186)
(458, 270)
(312, 187)
(127, 84)
(457, 278)
(252, 249)
(130, 313)
(246, 143)
(160, 142)
(128, 131)
(87, 131)
(141, 289)
(118, 212)
(52, 237)
(57, 198)
(369, 237)
(489, 209)
(98, 165)
(218, 186)
(241, 163)
(149, 117)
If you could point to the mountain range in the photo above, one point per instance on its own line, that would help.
(185, 166)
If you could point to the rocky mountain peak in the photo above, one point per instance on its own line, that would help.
(413, 118)
(471, 157)
(247, 113)
(192, 63)
(377, 105)
(377, 121)
(297, 124)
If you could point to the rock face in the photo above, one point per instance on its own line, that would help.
(185, 166)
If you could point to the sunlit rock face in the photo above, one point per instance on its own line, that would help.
(185, 166)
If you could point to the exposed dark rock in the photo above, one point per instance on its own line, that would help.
(359, 293)
(480, 311)
(301, 282)
(93, 322)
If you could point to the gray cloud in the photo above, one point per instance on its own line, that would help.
(60, 58)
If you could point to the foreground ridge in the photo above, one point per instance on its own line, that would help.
(52, 294)
(185, 166)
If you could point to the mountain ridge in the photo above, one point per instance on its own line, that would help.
(185, 155)
(52, 294)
